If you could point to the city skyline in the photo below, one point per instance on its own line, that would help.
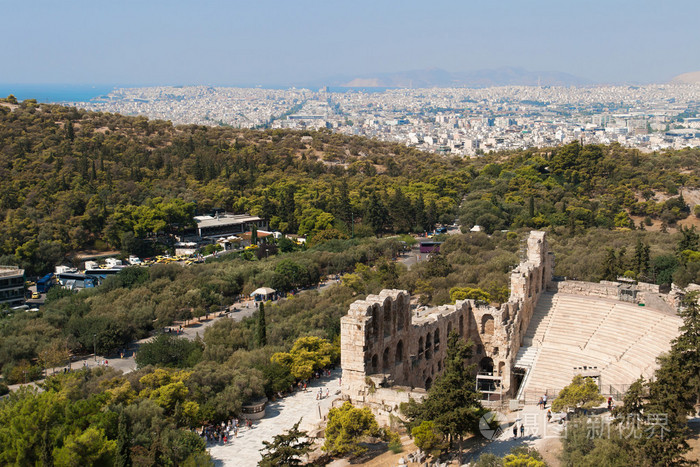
(287, 44)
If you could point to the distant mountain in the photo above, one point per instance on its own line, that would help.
(436, 77)
(687, 78)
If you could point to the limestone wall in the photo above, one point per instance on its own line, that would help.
(385, 344)
(603, 289)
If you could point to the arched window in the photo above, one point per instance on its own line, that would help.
(375, 363)
(436, 340)
(487, 325)
(428, 346)
(398, 359)
(399, 313)
(501, 367)
(420, 347)
(486, 365)
(375, 322)
(386, 363)
(449, 329)
(387, 318)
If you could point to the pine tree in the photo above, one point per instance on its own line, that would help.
(123, 443)
(452, 401)
(610, 265)
(261, 327)
(254, 236)
(376, 214)
(286, 449)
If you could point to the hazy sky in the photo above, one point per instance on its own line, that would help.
(293, 41)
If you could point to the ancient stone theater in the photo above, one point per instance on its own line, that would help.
(548, 331)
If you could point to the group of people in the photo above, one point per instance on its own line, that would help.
(224, 432)
(319, 394)
(515, 430)
(542, 404)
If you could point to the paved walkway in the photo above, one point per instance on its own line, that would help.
(244, 451)
(537, 430)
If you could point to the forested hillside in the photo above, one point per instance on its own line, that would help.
(75, 180)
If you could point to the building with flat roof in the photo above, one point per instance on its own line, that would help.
(225, 225)
(11, 285)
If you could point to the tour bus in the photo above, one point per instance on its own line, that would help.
(430, 247)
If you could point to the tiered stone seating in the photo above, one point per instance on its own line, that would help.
(539, 322)
(572, 327)
(620, 340)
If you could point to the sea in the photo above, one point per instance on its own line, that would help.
(85, 92)
(57, 92)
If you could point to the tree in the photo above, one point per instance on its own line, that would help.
(53, 355)
(308, 354)
(170, 351)
(254, 236)
(286, 449)
(437, 266)
(91, 447)
(347, 427)
(610, 270)
(582, 393)
(376, 215)
(452, 402)
(123, 442)
(260, 327)
(427, 438)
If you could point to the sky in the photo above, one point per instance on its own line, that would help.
(157, 42)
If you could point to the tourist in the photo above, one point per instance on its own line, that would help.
(522, 430)
(328, 392)
(539, 404)
(544, 401)
(515, 430)
(610, 401)
(549, 416)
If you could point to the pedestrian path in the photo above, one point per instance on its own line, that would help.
(536, 429)
(280, 416)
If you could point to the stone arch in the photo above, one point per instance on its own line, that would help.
(449, 329)
(436, 340)
(399, 313)
(398, 356)
(386, 360)
(428, 345)
(420, 346)
(501, 367)
(486, 365)
(487, 325)
(387, 318)
(543, 279)
(375, 363)
(375, 321)
(428, 383)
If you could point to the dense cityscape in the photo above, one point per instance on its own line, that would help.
(460, 121)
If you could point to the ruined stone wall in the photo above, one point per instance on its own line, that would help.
(603, 289)
(386, 344)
